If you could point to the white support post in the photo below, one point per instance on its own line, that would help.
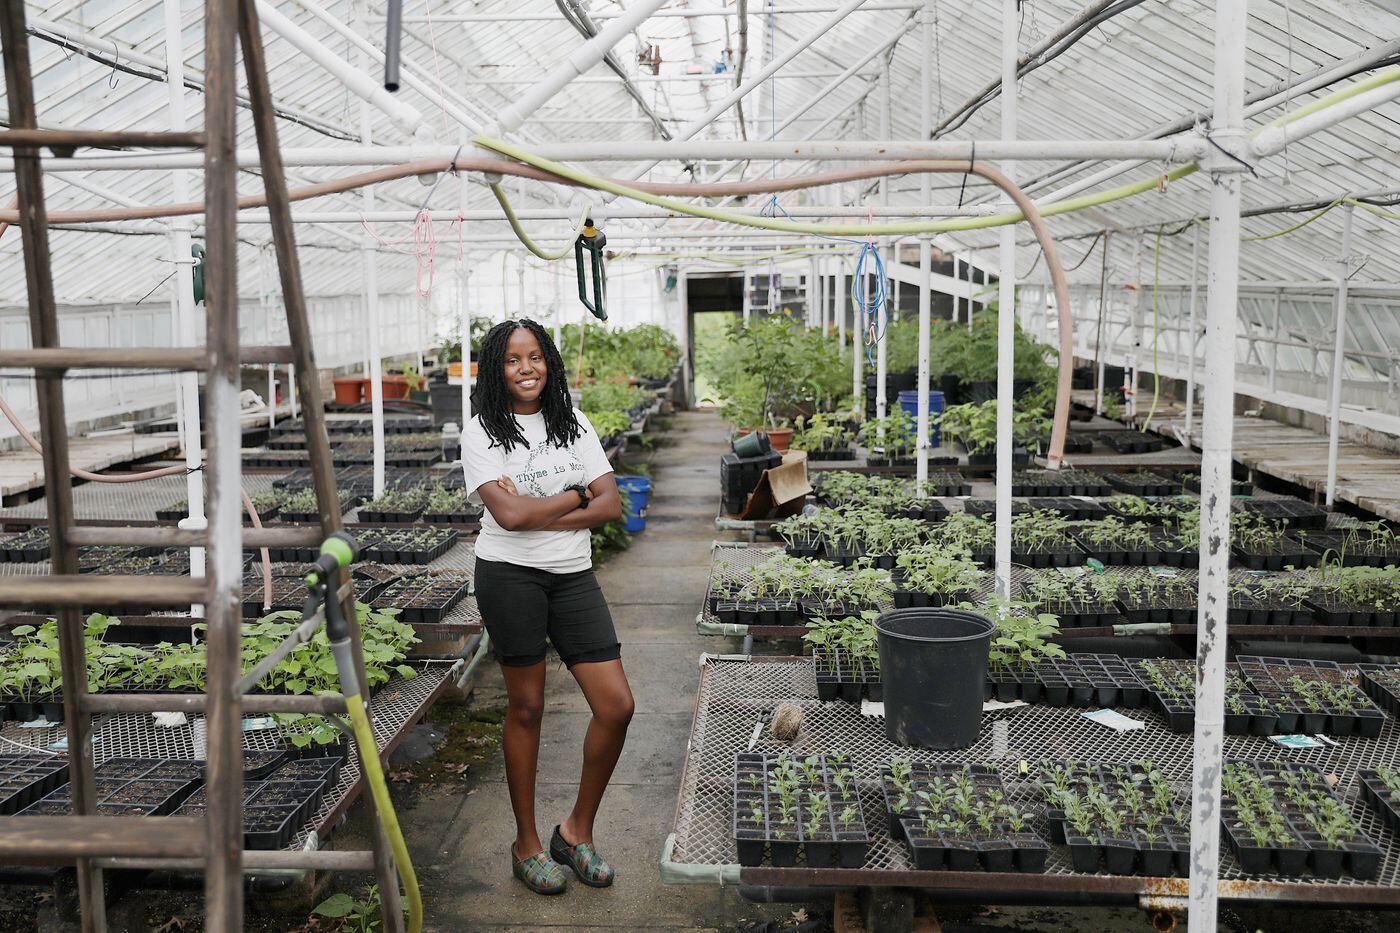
(811, 316)
(1334, 397)
(1192, 335)
(371, 288)
(271, 396)
(1274, 337)
(748, 294)
(184, 331)
(886, 251)
(1218, 421)
(465, 308)
(683, 330)
(921, 443)
(858, 344)
(1006, 311)
(838, 305)
(1130, 372)
(971, 285)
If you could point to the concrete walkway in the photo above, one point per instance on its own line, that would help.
(654, 589)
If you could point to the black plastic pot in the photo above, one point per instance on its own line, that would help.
(933, 663)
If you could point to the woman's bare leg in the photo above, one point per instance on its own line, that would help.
(610, 698)
(520, 738)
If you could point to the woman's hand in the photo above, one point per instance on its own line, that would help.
(508, 484)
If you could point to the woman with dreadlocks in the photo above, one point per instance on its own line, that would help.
(537, 465)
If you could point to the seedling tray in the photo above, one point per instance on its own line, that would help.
(1132, 442)
(408, 546)
(25, 779)
(1119, 817)
(1290, 552)
(785, 809)
(918, 801)
(1380, 788)
(1299, 690)
(1142, 483)
(1059, 483)
(1173, 692)
(1104, 680)
(948, 483)
(1191, 482)
(840, 676)
(1329, 612)
(1336, 547)
(423, 598)
(1295, 797)
(1382, 684)
(1293, 513)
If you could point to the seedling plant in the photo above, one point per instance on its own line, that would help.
(1119, 817)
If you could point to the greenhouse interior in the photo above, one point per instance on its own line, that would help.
(727, 465)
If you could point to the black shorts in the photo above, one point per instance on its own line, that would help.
(521, 606)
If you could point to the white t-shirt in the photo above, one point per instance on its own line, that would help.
(539, 470)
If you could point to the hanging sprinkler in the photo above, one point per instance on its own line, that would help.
(592, 240)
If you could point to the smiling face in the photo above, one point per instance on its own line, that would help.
(525, 371)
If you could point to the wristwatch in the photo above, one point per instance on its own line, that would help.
(582, 495)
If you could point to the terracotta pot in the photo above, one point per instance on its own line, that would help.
(394, 386)
(349, 390)
(780, 438)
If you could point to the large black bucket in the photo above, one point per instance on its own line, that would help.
(933, 663)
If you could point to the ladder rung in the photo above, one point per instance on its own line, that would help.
(100, 139)
(85, 535)
(181, 358)
(259, 860)
(48, 840)
(267, 354)
(195, 703)
(185, 358)
(62, 591)
(165, 536)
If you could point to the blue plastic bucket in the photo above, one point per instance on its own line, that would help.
(909, 401)
(636, 492)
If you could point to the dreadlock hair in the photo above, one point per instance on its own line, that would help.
(495, 404)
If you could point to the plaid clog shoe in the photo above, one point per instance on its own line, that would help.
(590, 867)
(539, 872)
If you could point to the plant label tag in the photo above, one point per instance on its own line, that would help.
(991, 706)
(259, 723)
(873, 710)
(170, 720)
(40, 723)
(1295, 741)
(1168, 572)
(61, 746)
(1071, 571)
(1114, 720)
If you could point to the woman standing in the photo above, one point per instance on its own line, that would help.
(537, 465)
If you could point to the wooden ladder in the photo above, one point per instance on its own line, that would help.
(213, 845)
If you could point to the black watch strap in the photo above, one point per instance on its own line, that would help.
(582, 495)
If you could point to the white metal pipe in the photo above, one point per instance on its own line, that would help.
(858, 331)
(454, 105)
(838, 306)
(921, 443)
(371, 296)
(674, 12)
(182, 298)
(748, 296)
(1006, 311)
(811, 289)
(886, 249)
(405, 116)
(1192, 333)
(465, 308)
(1277, 323)
(1099, 353)
(1218, 420)
(574, 64)
(1273, 139)
(695, 150)
(1334, 397)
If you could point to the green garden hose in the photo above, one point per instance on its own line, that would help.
(338, 552)
(379, 790)
(524, 237)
